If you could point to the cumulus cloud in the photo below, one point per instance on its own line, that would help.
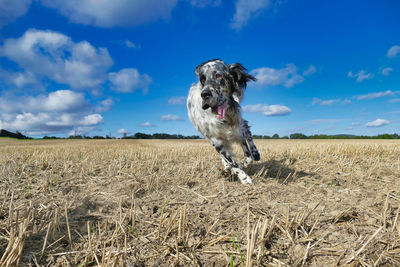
(247, 9)
(18, 79)
(177, 100)
(377, 123)
(171, 117)
(268, 110)
(92, 119)
(58, 101)
(393, 51)
(10, 10)
(123, 131)
(128, 80)
(55, 56)
(361, 75)
(377, 95)
(147, 124)
(386, 71)
(108, 13)
(287, 76)
(58, 112)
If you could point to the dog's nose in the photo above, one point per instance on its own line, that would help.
(206, 93)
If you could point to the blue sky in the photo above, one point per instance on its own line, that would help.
(126, 66)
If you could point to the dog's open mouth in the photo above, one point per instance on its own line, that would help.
(205, 106)
(220, 110)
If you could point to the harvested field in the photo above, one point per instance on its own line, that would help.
(164, 202)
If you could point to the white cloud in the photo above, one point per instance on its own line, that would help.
(108, 13)
(317, 101)
(177, 100)
(393, 51)
(123, 131)
(57, 57)
(395, 100)
(62, 100)
(377, 95)
(58, 101)
(171, 117)
(147, 124)
(268, 110)
(310, 71)
(58, 112)
(386, 71)
(361, 75)
(18, 79)
(247, 9)
(346, 101)
(10, 10)
(92, 119)
(377, 123)
(128, 80)
(287, 76)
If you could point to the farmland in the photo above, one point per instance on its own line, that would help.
(166, 203)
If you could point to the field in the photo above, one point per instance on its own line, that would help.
(166, 203)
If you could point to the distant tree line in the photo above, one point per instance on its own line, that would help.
(18, 135)
(160, 136)
(135, 136)
(324, 136)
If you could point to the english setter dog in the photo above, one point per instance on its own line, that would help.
(214, 109)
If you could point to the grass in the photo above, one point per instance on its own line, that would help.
(146, 203)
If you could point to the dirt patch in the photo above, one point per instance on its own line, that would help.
(162, 203)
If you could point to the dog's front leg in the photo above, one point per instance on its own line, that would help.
(247, 153)
(227, 158)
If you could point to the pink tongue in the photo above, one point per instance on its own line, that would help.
(222, 111)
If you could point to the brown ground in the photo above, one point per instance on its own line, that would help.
(163, 203)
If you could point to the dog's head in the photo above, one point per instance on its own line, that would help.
(220, 82)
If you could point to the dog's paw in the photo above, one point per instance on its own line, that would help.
(244, 178)
(247, 162)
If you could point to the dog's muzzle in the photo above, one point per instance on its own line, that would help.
(205, 95)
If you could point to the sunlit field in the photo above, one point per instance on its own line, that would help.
(165, 202)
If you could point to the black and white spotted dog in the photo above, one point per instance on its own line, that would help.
(214, 109)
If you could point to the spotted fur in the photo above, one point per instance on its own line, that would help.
(214, 109)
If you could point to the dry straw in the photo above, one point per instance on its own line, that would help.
(165, 203)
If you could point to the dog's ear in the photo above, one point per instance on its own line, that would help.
(197, 70)
(240, 75)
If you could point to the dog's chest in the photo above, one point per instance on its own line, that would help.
(207, 123)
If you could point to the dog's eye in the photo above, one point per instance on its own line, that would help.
(202, 79)
(218, 75)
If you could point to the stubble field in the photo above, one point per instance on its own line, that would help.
(165, 203)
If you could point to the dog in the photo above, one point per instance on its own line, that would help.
(214, 109)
